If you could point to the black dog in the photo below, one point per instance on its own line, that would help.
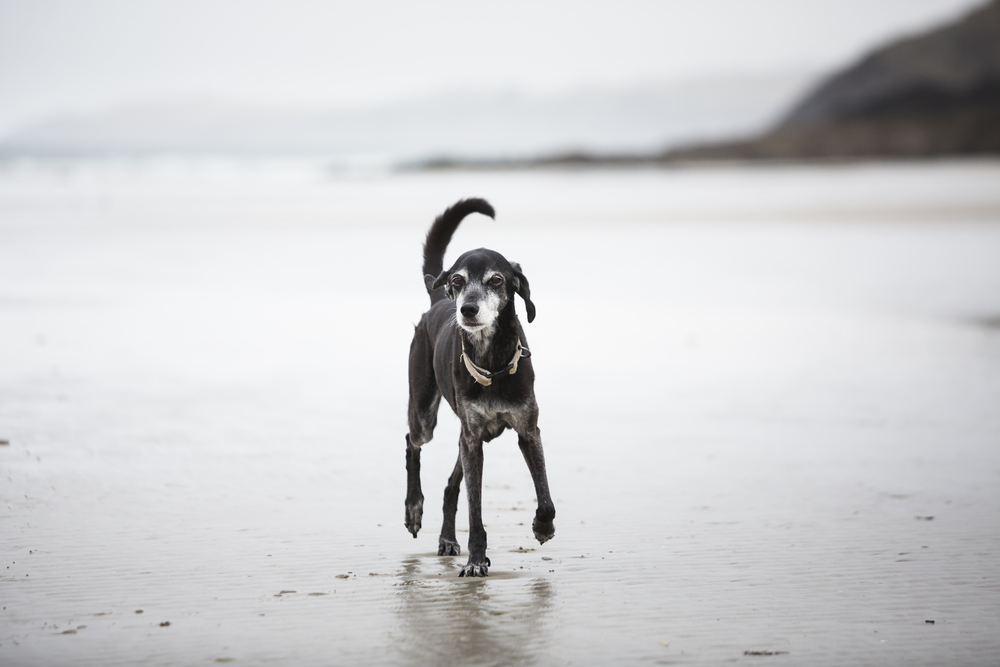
(469, 348)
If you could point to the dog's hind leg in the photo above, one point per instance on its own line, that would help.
(414, 495)
(447, 543)
(422, 416)
(530, 443)
(472, 465)
(422, 422)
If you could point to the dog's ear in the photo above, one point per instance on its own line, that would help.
(522, 288)
(433, 283)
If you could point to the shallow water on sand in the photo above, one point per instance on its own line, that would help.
(769, 406)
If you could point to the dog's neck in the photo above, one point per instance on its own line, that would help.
(494, 345)
(479, 342)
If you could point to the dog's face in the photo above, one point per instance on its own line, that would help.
(481, 283)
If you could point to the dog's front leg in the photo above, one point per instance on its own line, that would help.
(472, 465)
(530, 443)
(414, 496)
(447, 543)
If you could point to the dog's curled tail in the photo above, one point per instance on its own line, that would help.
(440, 235)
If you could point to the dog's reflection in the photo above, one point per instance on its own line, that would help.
(451, 621)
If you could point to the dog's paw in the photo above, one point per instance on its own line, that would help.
(414, 517)
(448, 548)
(544, 530)
(476, 569)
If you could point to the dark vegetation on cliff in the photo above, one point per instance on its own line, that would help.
(936, 94)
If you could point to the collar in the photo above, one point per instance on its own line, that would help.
(483, 376)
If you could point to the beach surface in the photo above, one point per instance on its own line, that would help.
(770, 404)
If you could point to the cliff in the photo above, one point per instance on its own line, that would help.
(936, 94)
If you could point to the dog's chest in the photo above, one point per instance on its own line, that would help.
(490, 419)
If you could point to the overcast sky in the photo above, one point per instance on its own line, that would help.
(73, 56)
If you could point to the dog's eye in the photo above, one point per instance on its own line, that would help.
(496, 281)
(457, 281)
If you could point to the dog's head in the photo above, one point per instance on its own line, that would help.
(481, 283)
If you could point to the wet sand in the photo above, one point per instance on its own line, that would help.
(769, 404)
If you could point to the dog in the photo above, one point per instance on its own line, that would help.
(469, 347)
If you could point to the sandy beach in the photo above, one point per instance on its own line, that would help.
(776, 440)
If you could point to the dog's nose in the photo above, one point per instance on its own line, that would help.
(469, 309)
